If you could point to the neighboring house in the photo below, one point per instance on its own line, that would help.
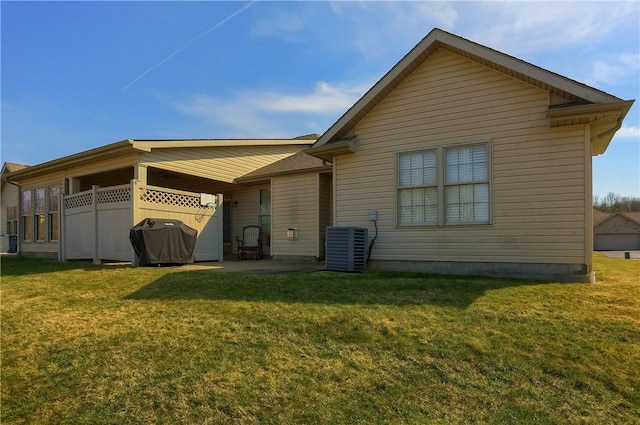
(475, 161)
(82, 206)
(9, 209)
(616, 231)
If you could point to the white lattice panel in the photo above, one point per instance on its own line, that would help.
(168, 198)
(114, 195)
(78, 201)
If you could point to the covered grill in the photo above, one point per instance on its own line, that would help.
(163, 241)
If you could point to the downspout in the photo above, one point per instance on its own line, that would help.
(588, 205)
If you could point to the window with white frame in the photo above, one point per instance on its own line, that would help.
(52, 217)
(444, 186)
(12, 220)
(418, 188)
(40, 214)
(466, 184)
(27, 216)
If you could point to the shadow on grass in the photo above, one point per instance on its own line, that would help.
(323, 287)
(23, 266)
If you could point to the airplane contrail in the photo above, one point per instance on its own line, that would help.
(190, 42)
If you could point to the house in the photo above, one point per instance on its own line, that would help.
(82, 206)
(460, 160)
(474, 161)
(9, 210)
(616, 231)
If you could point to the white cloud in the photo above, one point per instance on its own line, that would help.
(273, 113)
(229, 117)
(287, 24)
(613, 69)
(324, 99)
(374, 28)
(541, 26)
(631, 133)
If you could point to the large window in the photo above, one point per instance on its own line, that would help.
(40, 214)
(446, 185)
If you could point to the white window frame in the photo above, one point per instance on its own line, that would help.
(27, 227)
(417, 187)
(444, 185)
(53, 213)
(40, 214)
(469, 177)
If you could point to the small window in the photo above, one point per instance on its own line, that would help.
(27, 216)
(53, 207)
(265, 214)
(12, 221)
(40, 214)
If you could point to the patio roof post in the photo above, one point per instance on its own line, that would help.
(140, 173)
(220, 211)
(61, 227)
(135, 201)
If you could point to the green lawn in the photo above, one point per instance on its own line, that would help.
(84, 344)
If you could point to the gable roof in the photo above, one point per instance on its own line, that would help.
(599, 216)
(296, 163)
(583, 104)
(129, 146)
(630, 216)
(10, 167)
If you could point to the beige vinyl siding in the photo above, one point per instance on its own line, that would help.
(10, 198)
(537, 174)
(218, 163)
(92, 166)
(296, 205)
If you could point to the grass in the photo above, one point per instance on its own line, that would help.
(84, 344)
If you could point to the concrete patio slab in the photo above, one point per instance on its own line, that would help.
(256, 266)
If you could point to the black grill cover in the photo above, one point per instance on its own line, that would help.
(159, 241)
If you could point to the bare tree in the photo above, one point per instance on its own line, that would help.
(612, 202)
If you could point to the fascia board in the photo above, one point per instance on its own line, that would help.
(148, 145)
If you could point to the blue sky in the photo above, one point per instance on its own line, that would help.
(78, 75)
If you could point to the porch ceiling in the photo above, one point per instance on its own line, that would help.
(156, 177)
(181, 181)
